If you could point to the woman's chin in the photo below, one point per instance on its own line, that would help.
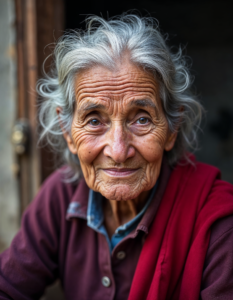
(120, 192)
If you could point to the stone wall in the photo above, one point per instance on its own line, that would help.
(9, 204)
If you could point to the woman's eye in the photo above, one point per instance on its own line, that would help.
(143, 120)
(94, 122)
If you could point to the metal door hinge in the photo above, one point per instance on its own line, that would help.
(20, 136)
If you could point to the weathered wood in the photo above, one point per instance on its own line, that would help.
(29, 162)
(32, 75)
(50, 26)
(38, 23)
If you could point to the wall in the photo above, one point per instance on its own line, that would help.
(9, 210)
(214, 80)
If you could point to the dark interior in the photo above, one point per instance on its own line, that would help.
(192, 23)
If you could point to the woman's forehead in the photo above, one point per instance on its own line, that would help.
(127, 80)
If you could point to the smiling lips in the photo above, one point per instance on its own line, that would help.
(116, 172)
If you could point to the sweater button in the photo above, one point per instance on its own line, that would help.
(106, 281)
(121, 255)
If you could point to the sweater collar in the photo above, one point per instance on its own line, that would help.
(78, 204)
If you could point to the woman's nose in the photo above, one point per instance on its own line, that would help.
(118, 146)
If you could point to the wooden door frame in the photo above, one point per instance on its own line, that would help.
(37, 21)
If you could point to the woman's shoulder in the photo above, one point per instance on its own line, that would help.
(200, 175)
(55, 194)
(60, 182)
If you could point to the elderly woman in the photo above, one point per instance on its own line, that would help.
(132, 215)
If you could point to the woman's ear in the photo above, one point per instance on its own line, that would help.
(171, 141)
(66, 135)
(173, 136)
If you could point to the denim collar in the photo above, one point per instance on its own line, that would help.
(95, 217)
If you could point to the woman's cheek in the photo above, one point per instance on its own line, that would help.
(89, 148)
(151, 150)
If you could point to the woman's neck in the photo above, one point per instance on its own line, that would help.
(117, 213)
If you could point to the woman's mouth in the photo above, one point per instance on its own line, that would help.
(119, 172)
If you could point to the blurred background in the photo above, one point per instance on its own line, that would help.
(203, 28)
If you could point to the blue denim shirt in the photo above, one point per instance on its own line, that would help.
(95, 218)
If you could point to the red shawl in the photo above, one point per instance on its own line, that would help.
(171, 262)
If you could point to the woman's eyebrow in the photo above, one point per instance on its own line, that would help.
(144, 103)
(90, 106)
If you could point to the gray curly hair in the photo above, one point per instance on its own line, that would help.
(103, 43)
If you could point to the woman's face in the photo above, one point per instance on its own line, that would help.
(119, 130)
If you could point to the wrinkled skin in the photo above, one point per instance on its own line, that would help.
(119, 132)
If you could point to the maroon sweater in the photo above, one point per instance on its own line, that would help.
(52, 244)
